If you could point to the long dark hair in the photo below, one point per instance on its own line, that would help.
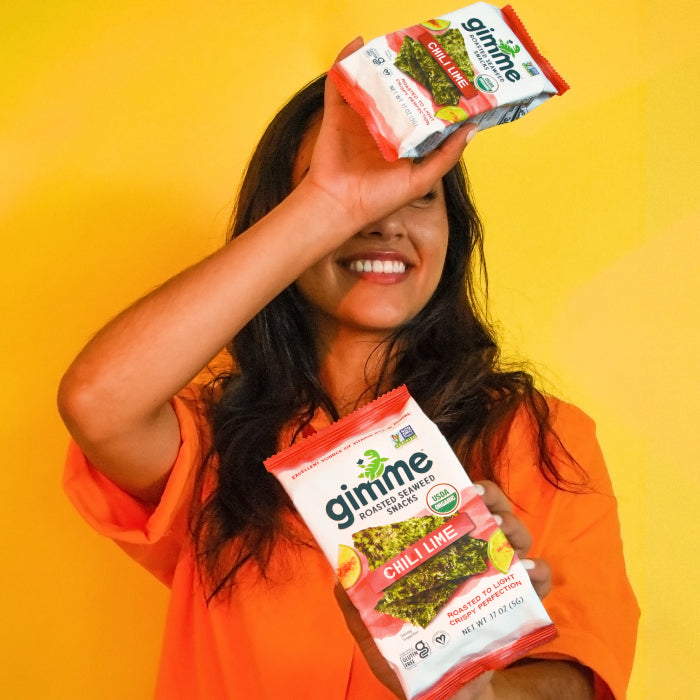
(447, 356)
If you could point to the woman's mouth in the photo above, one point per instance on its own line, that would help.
(386, 267)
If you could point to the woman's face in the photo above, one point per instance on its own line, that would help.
(385, 274)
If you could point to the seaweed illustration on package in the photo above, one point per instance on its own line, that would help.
(421, 608)
(419, 595)
(382, 542)
(416, 61)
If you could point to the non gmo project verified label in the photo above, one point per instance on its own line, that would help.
(405, 434)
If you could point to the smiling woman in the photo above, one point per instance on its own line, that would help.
(174, 471)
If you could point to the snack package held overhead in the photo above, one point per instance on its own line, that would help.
(435, 580)
(415, 86)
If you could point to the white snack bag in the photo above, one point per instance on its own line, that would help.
(435, 580)
(415, 86)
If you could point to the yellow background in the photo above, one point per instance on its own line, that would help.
(124, 127)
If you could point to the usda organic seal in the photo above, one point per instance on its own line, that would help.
(443, 499)
(485, 83)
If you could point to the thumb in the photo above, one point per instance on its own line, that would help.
(332, 94)
(354, 45)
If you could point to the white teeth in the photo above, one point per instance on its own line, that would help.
(377, 266)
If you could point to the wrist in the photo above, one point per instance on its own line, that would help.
(326, 214)
(542, 679)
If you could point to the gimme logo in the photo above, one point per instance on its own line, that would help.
(385, 479)
(500, 51)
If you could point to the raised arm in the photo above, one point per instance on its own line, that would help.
(115, 397)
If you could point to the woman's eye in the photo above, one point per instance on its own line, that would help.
(426, 199)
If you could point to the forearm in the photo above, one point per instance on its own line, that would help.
(153, 348)
(115, 396)
(540, 679)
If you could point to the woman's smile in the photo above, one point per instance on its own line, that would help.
(381, 267)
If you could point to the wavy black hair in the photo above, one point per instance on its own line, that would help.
(447, 355)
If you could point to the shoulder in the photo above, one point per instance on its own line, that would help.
(572, 430)
(568, 438)
(569, 418)
(576, 443)
(564, 421)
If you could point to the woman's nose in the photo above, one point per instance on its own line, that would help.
(388, 228)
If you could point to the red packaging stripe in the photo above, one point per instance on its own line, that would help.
(364, 105)
(518, 28)
(357, 422)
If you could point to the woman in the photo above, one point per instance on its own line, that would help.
(345, 276)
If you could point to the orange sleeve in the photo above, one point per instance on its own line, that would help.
(153, 536)
(578, 532)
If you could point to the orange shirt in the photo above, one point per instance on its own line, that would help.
(287, 638)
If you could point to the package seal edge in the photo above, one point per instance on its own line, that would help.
(518, 28)
(370, 113)
(338, 430)
(460, 675)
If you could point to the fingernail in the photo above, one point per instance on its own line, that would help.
(528, 564)
(479, 489)
(471, 133)
(498, 519)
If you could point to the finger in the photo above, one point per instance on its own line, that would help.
(494, 498)
(540, 575)
(516, 533)
(354, 45)
(459, 138)
(502, 510)
(332, 94)
(445, 156)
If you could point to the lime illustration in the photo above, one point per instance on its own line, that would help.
(500, 551)
(452, 114)
(436, 25)
(349, 566)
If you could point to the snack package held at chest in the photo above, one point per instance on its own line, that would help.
(435, 580)
(415, 86)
